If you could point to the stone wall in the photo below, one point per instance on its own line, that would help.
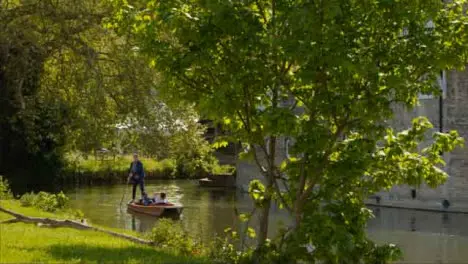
(248, 170)
(455, 117)
(403, 117)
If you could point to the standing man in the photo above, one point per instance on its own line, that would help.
(136, 175)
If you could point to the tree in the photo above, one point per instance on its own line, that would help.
(66, 81)
(174, 133)
(32, 128)
(343, 64)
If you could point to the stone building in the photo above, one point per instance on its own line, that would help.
(447, 113)
(450, 113)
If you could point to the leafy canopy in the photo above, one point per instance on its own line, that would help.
(325, 74)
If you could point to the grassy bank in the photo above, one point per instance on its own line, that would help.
(27, 243)
(119, 163)
(118, 166)
(115, 169)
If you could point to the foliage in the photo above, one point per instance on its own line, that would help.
(28, 199)
(223, 169)
(70, 85)
(324, 74)
(45, 201)
(169, 234)
(120, 163)
(232, 249)
(33, 125)
(176, 134)
(192, 152)
(178, 166)
(5, 192)
(225, 249)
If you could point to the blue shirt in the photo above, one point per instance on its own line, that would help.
(137, 168)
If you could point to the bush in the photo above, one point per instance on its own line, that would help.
(171, 235)
(223, 169)
(227, 249)
(5, 192)
(238, 248)
(121, 164)
(27, 199)
(45, 201)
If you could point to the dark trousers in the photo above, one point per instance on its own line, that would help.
(142, 187)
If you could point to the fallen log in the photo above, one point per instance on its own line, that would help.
(68, 223)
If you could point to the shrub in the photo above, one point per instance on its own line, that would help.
(62, 200)
(227, 249)
(119, 164)
(165, 166)
(238, 248)
(45, 201)
(223, 169)
(170, 234)
(27, 199)
(5, 192)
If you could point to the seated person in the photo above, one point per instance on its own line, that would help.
(161, 199)
(155, 198)
(146, 200)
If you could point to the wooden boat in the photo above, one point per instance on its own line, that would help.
(155, 209)
(219, 180)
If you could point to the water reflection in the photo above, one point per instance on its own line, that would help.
(141, 222)
(427, 237)
(395, 219)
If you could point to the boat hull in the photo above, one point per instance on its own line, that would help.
(155, 210)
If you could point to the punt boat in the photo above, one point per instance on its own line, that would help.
(155, 209)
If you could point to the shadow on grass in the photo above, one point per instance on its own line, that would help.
(85, 253)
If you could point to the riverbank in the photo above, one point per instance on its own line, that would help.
(26, 243)
(112, 170)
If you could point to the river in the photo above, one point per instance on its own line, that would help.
(424, 237)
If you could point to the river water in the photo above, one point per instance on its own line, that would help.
(424, 237)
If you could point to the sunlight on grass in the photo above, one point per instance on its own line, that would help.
(15, 206)
(120, 163)
(28, 243)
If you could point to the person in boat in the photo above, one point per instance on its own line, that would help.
(159, 198)
(155, 197)
(145, 200)
(136, 176)
(162, 199)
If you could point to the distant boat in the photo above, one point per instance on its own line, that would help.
(155, 209)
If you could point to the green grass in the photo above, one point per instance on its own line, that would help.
(121, 163)
(26, 243)
(14, 205)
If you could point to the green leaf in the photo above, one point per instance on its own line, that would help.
(244, 217)
(220, 144)
(251, 232)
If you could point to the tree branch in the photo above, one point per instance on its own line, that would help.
(262, 11)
